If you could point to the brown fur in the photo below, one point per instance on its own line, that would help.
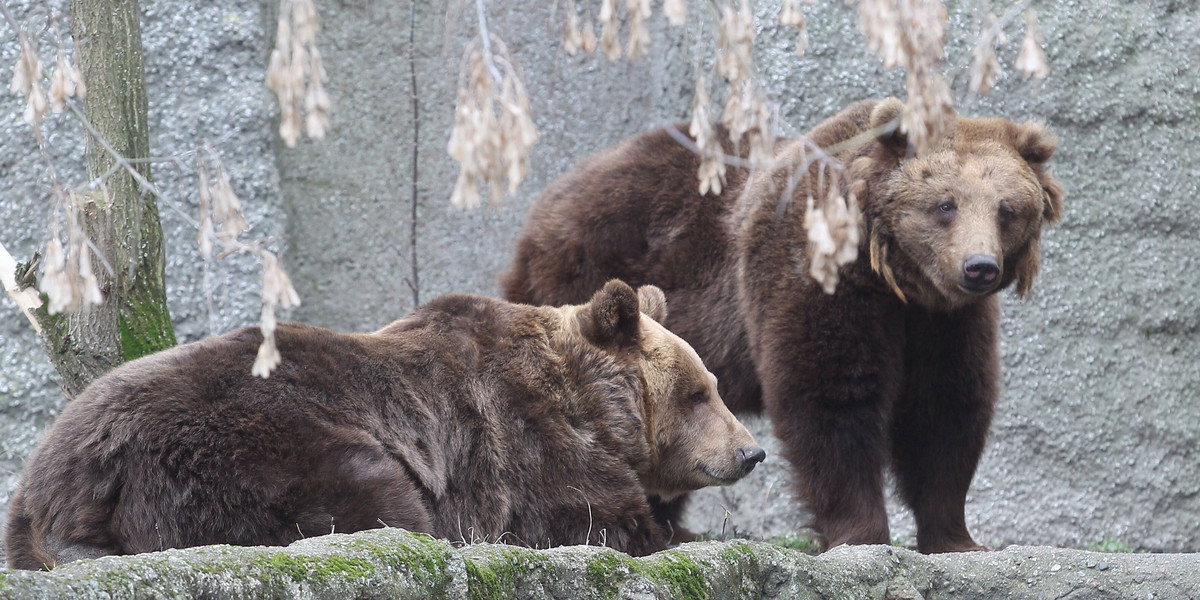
(898, 368)
(471, 419)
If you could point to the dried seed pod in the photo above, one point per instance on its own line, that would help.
(493, 132)
(1031, 60)
(712, 168)
(295, 73)
(676, 12)
(985, 67)
(572, 35)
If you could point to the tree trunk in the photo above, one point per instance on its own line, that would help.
(121, 219)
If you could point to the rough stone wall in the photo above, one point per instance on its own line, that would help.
(1096, 434)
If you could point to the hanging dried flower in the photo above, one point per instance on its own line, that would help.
(791, 15)
(277, 292)
(27, 81)
(676, 12)
(493, 132)
(295, 73)
(985, 67)
(735, 42)
(910, 34)
(572, 35)
(91, 286)
(54, 281)
(610, 24)
(67, 278)
(746, 113)
(833, 232)
(1031, 60)
(588, 42)
(639, 33)
(219, 204)
(712, 168)
(65, 83)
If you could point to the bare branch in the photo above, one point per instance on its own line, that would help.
(27, 299)
(414, 284)
(487, 42)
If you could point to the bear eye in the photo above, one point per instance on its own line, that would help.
(699, 397)
(1006, 213)
(947, 207)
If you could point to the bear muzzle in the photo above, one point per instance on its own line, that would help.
(980, 273)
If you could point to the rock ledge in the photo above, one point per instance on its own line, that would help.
(391, 563)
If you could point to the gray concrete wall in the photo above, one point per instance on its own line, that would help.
(1097, 432)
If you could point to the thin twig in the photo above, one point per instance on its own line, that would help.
(8, 17)
(486, 38)
(128, 166)
(993, 31)
(142, 181)
(414, 283)
(822, 154)
(27, 300)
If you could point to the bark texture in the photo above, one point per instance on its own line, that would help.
(121, 216)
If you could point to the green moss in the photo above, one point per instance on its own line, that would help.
(489, 579)
(1110, 545)
(145, 325)
(678, 572)
(482, 582)
(805, 544)
(314, 569)
(421, 557)
(428, 558)
(606, 571)
(671, 569)
(737, 553)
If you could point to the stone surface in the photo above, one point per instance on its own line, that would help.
(1096, 435)
(391, 563)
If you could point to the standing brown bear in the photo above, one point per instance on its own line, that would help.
(471, 419)
(897, 368)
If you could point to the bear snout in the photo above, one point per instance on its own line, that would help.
(750, 457)
(980, 272)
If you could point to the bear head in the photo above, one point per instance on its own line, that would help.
(693, 440)
(964, 219)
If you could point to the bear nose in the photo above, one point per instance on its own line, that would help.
(980, 272)
(751, 457)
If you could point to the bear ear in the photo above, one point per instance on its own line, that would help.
(885, 118)
(653, 302)
(612, 316)
(1034, 144)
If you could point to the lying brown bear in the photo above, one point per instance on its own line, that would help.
(471, 418)
(896, 369)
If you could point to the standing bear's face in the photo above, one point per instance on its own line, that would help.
(694, 440)
(963, 220)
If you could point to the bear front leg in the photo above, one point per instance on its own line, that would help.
(669, 515)
(830, 372)
(942, 420)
